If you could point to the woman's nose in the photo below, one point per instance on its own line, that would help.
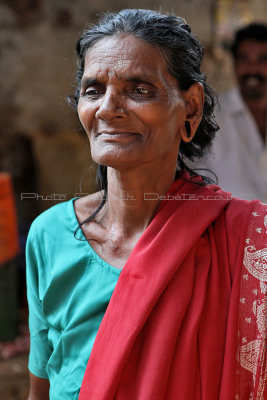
(110, 107)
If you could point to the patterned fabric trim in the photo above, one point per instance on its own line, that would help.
(252, 324)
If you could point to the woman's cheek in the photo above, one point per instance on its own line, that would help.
(84, 115)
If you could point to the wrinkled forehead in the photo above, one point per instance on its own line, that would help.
(122, 55)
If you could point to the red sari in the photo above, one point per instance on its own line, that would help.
(177, 324)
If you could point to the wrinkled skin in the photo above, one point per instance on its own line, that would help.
(131, 108)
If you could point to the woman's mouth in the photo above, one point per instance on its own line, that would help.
(116, 135)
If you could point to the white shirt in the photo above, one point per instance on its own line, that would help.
(239, 155)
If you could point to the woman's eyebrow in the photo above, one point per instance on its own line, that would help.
(89, 81)
(138, 79)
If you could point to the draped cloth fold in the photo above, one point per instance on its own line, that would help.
(173, 310)
(252, 314)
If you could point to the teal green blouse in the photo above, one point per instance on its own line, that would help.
(69, 287)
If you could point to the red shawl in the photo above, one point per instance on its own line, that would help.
(176, 327)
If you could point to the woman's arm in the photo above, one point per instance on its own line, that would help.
(40, 347)
(39, 388)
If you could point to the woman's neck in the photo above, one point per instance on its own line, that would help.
(134, 196)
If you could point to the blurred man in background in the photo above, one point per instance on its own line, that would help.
(239, 152)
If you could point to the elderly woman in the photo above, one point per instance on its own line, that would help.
(155, 287)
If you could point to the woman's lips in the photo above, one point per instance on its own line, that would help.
(116, 135)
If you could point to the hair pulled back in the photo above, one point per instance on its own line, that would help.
(183, 54)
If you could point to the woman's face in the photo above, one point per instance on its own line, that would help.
(130, 107)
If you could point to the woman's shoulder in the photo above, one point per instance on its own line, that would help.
(65, 216)
(240, 210)
(255, 215)
(236, 208)
(240, 213)
(53, 215)
(246, 222)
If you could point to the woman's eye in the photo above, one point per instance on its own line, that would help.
(91, 92)
(142, 91)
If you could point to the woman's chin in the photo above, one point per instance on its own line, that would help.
(117, 160)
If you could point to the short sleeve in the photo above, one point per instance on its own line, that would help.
(40, 347)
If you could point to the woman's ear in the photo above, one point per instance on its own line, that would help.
(194, 101)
